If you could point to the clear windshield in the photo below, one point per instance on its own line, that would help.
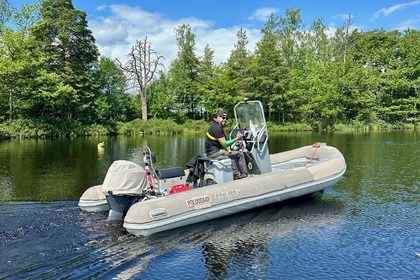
(250, 115)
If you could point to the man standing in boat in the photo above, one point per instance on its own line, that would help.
(218, 147)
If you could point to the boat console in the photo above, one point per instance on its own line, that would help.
(250, 121)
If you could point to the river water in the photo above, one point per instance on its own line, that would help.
(365, 227)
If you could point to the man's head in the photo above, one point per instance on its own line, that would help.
(221, 116)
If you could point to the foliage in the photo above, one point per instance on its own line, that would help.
(42, 128)
(152, 126)
(113, 104)
(195, 127)
(184, 72)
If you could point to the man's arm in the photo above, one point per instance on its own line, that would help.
(226, 143)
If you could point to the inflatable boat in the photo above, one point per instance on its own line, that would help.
(152, 201)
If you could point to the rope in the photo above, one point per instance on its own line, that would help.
(316, 145)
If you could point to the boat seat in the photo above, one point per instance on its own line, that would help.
(171, 172)
(222, 160)
(168, 177)
(220, 168)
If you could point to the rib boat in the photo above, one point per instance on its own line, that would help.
(155, 200)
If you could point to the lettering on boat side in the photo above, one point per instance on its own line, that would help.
(198, 202)
(157, 213)
(228, 194)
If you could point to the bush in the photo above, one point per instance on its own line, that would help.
(97, 130)
(195, 126)
(289, 127)
(151, 127)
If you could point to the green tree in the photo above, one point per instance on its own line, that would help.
(238, 70)
(408, 58)
(289, 33)
(13, 68)
(184, 72)
(26, 17)
(399, 78)
(209, 86)
(66, 88)
(270, 70)
(4, 13)
(17, 60)
(113, 104)
(391, 67)
(163, 102)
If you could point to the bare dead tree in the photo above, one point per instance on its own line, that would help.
(140, 70)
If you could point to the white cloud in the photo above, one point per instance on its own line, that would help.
(387, 11)
(118, 32)
(263, 14)
(101, 8)
(408, 24)
(108, 31)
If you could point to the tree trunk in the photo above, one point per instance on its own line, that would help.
(143, 107)
(10, 104)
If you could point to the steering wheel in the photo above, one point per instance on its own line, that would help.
(241, 144)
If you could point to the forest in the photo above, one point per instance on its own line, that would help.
(55, 83)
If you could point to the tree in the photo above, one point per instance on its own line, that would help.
(17, 59)
(208, 86)
(408, 56)
(238, 69)
(163, 101)
(26, 17)
(270, 70)
(289, 34)
(4, 13)
(184, 72)
(399, 79)
(142, 66)
(113, 104)
(68, 54)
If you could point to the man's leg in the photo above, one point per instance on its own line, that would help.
(236, 173)
(240, 164)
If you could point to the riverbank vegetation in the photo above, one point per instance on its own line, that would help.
(54, 83)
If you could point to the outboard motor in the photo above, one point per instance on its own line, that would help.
(125, 184)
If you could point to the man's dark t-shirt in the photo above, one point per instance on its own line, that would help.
(215, 130)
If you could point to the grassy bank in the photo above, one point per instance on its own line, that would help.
(67, 128)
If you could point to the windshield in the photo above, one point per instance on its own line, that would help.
(250, 115)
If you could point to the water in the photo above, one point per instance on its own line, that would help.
(365, 227)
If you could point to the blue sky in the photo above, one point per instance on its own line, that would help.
(117, 24)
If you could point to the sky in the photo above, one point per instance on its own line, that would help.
(118, 24)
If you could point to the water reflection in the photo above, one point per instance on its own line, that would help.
(243, 247)
(101, 149)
